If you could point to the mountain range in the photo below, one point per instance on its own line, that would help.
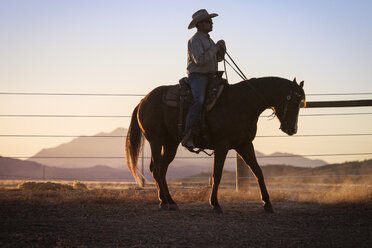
(112, 145)
(113, 165)
(15, 169)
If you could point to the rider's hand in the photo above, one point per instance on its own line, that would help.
(221, 44)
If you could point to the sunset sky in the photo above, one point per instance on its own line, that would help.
(91, 46)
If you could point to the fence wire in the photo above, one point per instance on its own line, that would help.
(142, 95)
(129, 116)
(124, 136)
(146, 157)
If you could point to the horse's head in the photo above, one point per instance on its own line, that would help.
(288, 108)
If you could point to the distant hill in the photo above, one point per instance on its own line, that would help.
(114, 147)
(351, 169)
(12, 169)
(87, 147)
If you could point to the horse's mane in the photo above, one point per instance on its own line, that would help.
(264, 83)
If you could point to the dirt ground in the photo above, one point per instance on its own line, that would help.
(244, 224)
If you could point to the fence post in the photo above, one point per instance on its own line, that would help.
(242, 173)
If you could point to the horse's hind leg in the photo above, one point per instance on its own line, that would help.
(161, 157)
(155, 167)
(169, 152)
(249, 157)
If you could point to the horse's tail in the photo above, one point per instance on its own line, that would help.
(133, 145)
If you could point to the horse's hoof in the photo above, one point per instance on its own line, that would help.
(217, 210)
(268, 208)
(173, 207)
(163, 207)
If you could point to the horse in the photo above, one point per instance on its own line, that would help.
(232, 124)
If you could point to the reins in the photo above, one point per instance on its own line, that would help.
(241, 74)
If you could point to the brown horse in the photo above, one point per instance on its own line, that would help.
(232, 124)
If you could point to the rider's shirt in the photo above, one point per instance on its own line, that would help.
(202, 54)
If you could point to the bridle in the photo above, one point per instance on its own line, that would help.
(287, 99)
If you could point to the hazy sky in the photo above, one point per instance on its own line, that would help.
(133, 46)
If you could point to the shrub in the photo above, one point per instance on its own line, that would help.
(44, 186)
(79, 186)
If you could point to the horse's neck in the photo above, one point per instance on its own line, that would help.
(269, 90)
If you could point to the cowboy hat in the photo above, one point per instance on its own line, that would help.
(199, 16)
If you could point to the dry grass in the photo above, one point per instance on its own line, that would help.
(13, 184)
(79, 186)
(304, 193)
(83, 193)
(337, 195)
(42, 186)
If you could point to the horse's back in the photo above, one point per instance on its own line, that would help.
(153, 116)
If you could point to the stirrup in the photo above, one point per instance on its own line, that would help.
(198, 150)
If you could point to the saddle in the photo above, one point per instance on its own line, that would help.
(180, 96)
(181, 93)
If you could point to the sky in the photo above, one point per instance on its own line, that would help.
(78, 46)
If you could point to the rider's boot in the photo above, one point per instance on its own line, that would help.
(187, 140)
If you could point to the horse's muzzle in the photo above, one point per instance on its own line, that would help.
(289, 131)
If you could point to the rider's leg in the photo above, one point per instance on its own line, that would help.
(198, 83)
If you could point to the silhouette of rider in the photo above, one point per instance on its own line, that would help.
(202, 58)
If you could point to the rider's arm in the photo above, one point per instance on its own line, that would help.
(199, 55)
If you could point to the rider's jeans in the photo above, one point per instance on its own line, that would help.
(198, 83)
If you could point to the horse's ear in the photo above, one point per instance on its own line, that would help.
(294, 80)
(302, 84)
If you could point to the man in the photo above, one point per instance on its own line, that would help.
(202, 58)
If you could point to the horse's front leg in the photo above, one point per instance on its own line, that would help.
(219, 160)
(249, 157)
